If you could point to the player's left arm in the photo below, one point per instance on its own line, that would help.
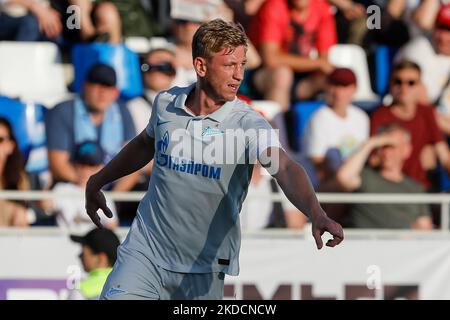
(297, 187)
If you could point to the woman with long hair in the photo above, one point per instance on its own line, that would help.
(12, 177)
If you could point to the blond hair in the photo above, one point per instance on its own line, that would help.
(216, 35)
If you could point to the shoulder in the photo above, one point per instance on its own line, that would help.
(64, 107)
(381, 111)
(247, 117)
(413, 186)
(358, 112)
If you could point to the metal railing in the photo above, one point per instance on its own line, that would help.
(441, 198)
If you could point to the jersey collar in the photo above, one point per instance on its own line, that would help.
(219, 115)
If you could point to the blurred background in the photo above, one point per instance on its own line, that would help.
(360, 94)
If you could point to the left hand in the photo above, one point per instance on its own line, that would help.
(323, 223)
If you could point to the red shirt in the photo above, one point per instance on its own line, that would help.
(424, 131)
(275, 22)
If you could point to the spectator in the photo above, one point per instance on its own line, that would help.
(286, 33)
(12, 177)
(394, 147)
(99, 21)
(98, 255)
(433, 57)
(158, 74)
(350, 21)
(93, 116)
(70, 212)
(427, 139)
(337, 128)
(28, 20)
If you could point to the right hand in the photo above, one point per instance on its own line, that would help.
(95, 200)
(325, 66)
(49, 21)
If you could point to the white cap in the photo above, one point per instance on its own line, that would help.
(195, 10)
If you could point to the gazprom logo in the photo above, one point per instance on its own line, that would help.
(181, 164)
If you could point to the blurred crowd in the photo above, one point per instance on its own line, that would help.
(376, 123)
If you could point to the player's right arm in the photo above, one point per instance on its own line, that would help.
(134, 156)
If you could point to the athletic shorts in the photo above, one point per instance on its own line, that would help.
(135, 277)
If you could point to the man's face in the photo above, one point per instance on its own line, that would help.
(340, 96)
(223, 73)
(441, 38)
(405, 86)
(98, 96)
(89, 259)
(155, 78)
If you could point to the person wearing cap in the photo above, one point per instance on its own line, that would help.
(393, 146)
(98, 255)
(70, 212)
(95, 115)
(337, 128)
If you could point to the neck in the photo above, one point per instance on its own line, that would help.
(404, 110)
(341, 111)
(96, 115)
(392, 174)
(201, 102)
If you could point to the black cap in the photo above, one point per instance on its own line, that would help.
(100, 240)
(102, 74)
(89, 153)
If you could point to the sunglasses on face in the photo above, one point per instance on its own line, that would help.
(399, 82)
(3, 139)
(165, 67)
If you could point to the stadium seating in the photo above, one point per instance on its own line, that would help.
(32, 71)
(353, 57)
(384, 56)
(125, 62)
(303, 112)
(27, 120)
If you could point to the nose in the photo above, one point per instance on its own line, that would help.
(239, 73)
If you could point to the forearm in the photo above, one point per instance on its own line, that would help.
(295, 62)
(353, 166)
(424, 15)
(135, 155)
(396, 8)
(297, 187)
(63, 171)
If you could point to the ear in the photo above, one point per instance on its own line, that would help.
(200, 66)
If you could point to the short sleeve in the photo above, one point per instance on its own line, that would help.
(326, 35)
(315, 140)
(59, 128)
(270, 23)
(435, 133)
(261, 136)
(150, 128)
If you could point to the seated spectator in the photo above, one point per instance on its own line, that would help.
(259, 213)
(158, 74)
(336, 129)
(93, 116)
(12, 177)
(394, 147)
(99, 21)
(98, 255)
(28, 20)
(286, 33)
(70, 212)
(427, 139)
(433, 57)
(350, 20)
